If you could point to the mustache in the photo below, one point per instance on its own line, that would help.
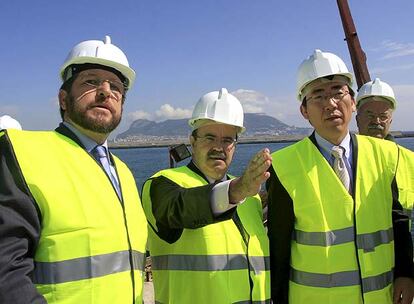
(217, 154)
(375, 127)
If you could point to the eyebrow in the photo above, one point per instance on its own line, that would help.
(334, 87)
(381, 113)
(110, 77)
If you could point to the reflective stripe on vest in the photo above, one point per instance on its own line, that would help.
(367, 241)
(88, 237)
(341, 279)
(337, 242)
(86, 267)
(209, 262)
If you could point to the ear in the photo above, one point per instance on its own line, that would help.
(304, 111)
(357, 117)
(353, 104)
(192, 141)
(62, 99)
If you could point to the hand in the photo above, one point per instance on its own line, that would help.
(255, 174)
(403, 290)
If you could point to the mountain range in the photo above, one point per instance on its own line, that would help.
(256, 125)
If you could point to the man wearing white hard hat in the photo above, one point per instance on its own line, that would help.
(375, 105)
(72, 226)
(337, 232)
(206, 237)
(7, 122)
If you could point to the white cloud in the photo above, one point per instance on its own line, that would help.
(284, 108)
(252, 101)
(139, 115)
(167, 111)
(382, 70)
(402, 118)
(394, 49)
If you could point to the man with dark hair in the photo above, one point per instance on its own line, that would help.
(72, 226)
(207, 240)
(337, 230)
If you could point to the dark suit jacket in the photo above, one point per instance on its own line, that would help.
(281, 219)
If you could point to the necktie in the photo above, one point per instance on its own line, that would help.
(99, 153)
(340, 167)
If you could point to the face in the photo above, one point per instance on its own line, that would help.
(329, 108)
(94, 102)
(213, 148)
(374, 118)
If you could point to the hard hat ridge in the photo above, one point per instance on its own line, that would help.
(376, 88)
(220, 107)
(318, 65)
(102, 53)
(7, 122)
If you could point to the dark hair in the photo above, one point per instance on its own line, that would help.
(67, 87)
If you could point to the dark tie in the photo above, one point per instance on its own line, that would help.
(340, 167)
(99, 153)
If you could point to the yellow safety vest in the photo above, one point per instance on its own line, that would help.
(211, 264)
(92, 245)
(342, 248)
(405, 179)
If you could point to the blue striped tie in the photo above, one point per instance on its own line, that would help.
(99, 153)
(340, 167)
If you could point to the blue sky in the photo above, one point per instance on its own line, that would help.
(183, 49)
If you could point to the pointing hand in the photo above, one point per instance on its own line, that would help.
(255, 174)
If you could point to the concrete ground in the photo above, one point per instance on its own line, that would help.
(148, 293)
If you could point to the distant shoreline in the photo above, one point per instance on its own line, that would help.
(247, 141)
(177, 141)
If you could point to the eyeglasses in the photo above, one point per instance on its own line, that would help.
(336, 96)
(383, 117)
(226, 142)
(117, 88)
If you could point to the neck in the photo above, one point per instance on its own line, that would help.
(99, 138)
(335, 140)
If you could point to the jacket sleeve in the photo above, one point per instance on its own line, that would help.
(280, 228)
(175, 208)
(403, 245)
(19, 233)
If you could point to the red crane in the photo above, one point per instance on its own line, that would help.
(358, 57)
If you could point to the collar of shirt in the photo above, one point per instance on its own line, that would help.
(86, 141)
(325, 146)
(211, 180)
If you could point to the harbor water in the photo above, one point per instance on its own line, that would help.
(144, 162)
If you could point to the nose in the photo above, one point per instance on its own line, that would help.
(104, 89)
(330, 103)
(377, 120)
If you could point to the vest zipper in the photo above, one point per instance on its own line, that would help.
(245, 237)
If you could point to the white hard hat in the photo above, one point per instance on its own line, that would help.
(102, 53)
(6, 122)
(218, 106)
(320, 64)
(376, 88)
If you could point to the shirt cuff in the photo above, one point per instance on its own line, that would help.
(220, 198)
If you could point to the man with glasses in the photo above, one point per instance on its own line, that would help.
(72, 226)
(336, 229)
(375, 104)
(206, 237)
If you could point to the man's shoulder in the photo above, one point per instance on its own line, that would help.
(378, 143)
(295, 146)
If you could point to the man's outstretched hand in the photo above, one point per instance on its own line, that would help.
(255, 174)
